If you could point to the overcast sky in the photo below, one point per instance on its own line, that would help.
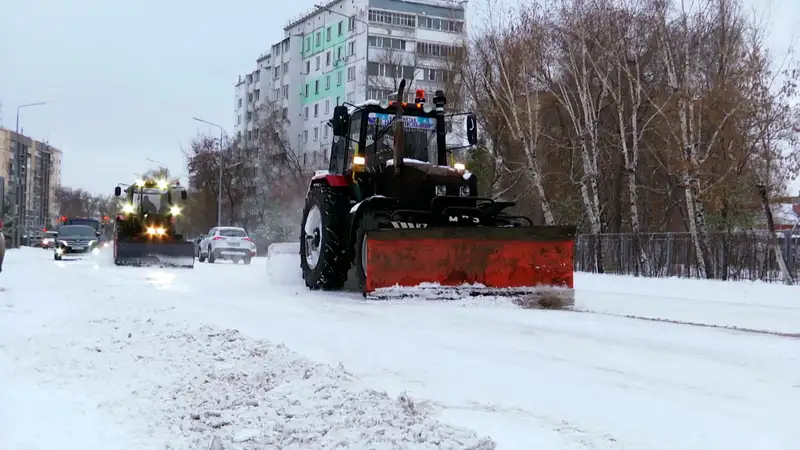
(125, 78)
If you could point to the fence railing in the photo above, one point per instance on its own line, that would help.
(735, 256)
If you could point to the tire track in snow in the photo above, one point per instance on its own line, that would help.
(690, 323)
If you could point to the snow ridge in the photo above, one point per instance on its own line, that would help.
(195, 385)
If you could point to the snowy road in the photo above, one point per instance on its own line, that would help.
(528, 379)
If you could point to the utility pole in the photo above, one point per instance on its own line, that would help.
(219, 186)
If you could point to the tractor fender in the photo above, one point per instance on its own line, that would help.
(357, 212)
(327, 178)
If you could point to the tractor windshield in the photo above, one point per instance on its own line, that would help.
(152, 201)
(419, 137)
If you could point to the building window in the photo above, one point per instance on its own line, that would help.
(351, 48)
(450, 26)
(387, 42)
(339, 28)
(317, 68)
(286, 91)
(306, 89)
(337, 100)
(308, 67)
(351, 73)
(392, 18)
(305, 139)
(319, 38)
(351, 25)
(328, 58)
(277, 72)
(327, 106)
(316, 109)
(327, 82)
(325, 132)
(437, 50)
(305, 114)
(316, 134)
(339, 53)
(328, 34)
(285, 68)
(316, 86)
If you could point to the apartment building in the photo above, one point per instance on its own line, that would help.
(348, 51)
(40, 167)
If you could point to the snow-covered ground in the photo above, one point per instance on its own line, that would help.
(96, 356)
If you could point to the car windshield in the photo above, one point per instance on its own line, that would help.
(232, 232)
(152, 201)
(76, 230)
(419, 137)
(50, 234)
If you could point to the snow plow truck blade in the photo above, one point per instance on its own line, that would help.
(532, 265)
(167, 254)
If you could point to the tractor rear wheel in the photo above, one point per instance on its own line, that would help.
(323, 238)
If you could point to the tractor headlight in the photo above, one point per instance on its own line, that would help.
(359, 161)
(162, 184)
(64, 243)
(156, 231)
(441, 190)
(140, 183)
(459, 166)
(128, 208)
(464, 191)
(175, 210)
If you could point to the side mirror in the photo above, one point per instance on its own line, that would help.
(472, 129)
(340, 120)
(117, 191)
(183, 195)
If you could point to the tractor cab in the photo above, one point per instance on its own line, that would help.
(150, 197)
(374, 140)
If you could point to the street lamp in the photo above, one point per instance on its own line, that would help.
(366, 44)
(18, 183)
(219, 190)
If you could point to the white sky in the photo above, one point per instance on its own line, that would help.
(125, 78)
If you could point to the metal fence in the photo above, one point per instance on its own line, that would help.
(735, 256)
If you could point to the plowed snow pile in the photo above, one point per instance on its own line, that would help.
(192, 385)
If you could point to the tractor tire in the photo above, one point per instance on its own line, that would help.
(323, 248)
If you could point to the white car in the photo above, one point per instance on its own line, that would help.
(230, 243)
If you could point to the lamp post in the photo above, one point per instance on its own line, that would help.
(219, 190)
(19, 200)
(366, 44)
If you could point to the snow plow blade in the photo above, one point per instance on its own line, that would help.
(167, 254)
(533, 265)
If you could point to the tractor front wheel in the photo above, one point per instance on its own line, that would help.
(323, 238)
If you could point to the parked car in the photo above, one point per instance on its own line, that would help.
(231, 243)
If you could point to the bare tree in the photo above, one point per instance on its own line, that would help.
(502, 77)
(385, 71)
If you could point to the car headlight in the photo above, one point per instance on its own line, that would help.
(175, 210)
(91, 243)
(441, 190)
(465, 191)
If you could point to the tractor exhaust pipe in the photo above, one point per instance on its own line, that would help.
(399, 128)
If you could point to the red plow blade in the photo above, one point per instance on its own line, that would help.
(469, 261)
